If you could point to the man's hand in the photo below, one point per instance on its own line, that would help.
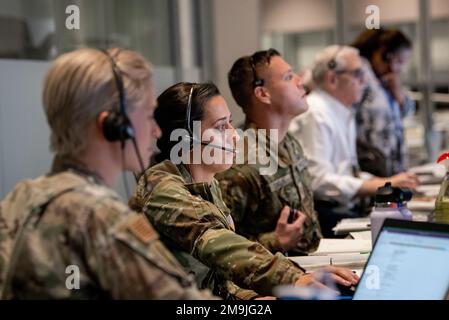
(405, 180)
(289, 234)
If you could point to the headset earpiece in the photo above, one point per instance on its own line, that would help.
(257, 82)
(386, 56)
(117, 127)
(332, 64)
(190, 138)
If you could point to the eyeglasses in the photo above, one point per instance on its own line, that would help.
(356, 73)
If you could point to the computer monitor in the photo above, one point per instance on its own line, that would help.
(409, 261)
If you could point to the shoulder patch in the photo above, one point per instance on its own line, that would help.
(141, 229)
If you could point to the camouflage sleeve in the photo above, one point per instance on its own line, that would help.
(270, 241)
(311, 236)
(200, 228)
(248, 264)
(152, 272)
(239, 293)
(124, 252)
(309, 242)
(242, 193)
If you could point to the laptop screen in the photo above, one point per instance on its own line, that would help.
(410, 260)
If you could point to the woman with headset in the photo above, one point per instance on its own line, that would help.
(67, 234)
(186, 207)
(380, 132)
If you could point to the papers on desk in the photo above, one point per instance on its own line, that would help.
(425, 179)
(421, 211)
(431, 169)
(431, 173)
(422, 216)
(421, 205)
(311, 263)
(346, 226)
(424, 198)
(429, 190)
(361, 235)
(342, 246)
(347, 253)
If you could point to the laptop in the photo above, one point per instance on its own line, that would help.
(409, 261)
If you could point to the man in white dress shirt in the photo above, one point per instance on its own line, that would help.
(328, 135)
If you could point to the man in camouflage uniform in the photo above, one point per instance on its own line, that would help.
(67, 235)
(256, 199)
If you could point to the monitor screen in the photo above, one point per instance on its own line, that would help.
(406, 264)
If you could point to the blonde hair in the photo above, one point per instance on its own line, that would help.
(80, 84)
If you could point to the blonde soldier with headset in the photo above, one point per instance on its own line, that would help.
(67, 235)
(186, 206)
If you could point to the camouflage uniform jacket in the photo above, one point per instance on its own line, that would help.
(193, 220)
(256, 200)
(70, 219)
(379, 121)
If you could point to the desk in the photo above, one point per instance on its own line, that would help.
(349, 253)
(355, 262)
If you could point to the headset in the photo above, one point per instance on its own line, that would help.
(257, 82)
(117, 126)
(191, 137)
(332, 64)
(386, 56)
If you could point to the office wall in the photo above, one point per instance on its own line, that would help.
(439, 8)
(236, 27)
(297, 15)
(11, 8)
(24, 133)
(300, 28)
(391, 11)
(305, 15)
(394, 11)
(23, 130)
